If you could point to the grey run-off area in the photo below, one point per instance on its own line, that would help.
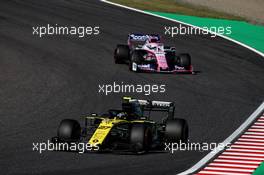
(253, 10)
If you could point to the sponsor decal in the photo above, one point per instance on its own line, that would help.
(179, 68)
(104, 127)
(140, 37)
(144, 66)
(161, 104)
(134, 66)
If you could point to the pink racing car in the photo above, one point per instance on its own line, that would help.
(146, 53)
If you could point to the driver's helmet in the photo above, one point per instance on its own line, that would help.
(152, 39)
(132, 107)
(121, 115)
(151, 46)
(154, 47)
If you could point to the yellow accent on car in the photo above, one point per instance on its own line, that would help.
(127, 98)
(102, 131)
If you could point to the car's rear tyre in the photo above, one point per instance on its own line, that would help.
(176, 130)
(69, 131)
(121, 54)
(183, 60)
(140, 138)
(135, 59)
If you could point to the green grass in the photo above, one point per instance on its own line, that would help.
(259, 170)
(171, 6)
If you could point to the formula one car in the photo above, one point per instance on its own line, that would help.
(129, 129)
(146, 53)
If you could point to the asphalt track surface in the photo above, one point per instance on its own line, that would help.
(45, 80)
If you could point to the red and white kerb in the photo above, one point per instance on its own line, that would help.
(244, 156)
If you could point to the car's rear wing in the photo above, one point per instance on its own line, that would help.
(142, 37)
(153, 105)
(157, 104)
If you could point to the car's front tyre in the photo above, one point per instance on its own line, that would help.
(121, 54)
(69, 131)
(135, 59)
(183, 60)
